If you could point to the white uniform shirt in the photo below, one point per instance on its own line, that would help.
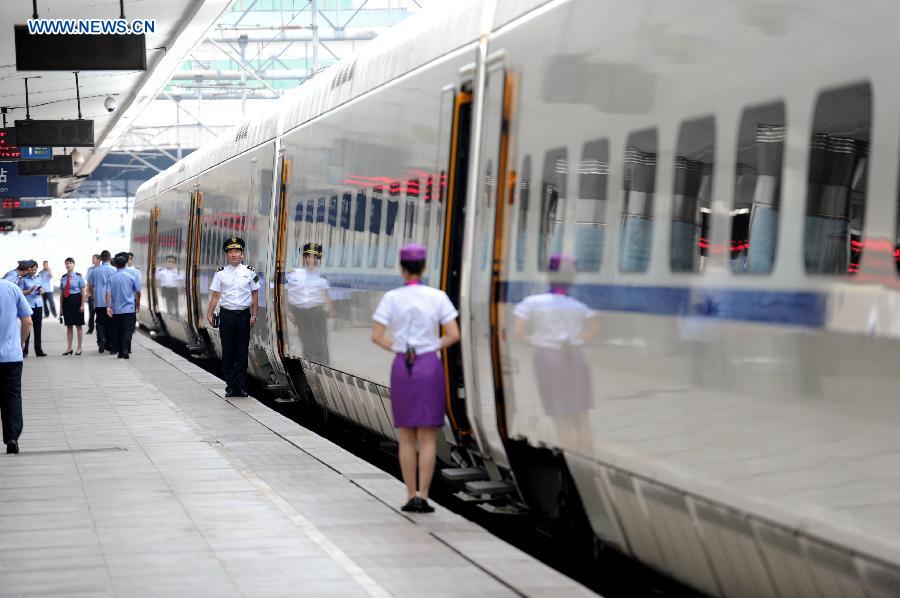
(235, 284)
(555, 319)
(306, 288)
(412, 313)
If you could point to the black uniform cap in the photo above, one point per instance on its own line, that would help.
(23, 265)
(233, 243)
(313, 249)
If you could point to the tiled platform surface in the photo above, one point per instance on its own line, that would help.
(137, 478)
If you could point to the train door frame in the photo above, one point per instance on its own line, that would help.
(483, 377)
(152, 248)
(280, 259)
(452, 255)
(195, 225)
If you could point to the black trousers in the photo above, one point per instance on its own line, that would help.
(312, 327)
(234, 329)
(102, 321)
(37, 315)
(11, 399)
(122, 331)
(48, 300)
(90, 315)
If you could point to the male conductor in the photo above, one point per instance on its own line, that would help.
(235, 289)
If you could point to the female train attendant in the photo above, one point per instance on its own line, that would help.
(71, 287)
(413, 313)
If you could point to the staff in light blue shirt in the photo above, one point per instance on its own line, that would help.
(72, 297)
(31, 287)
(47, 285)
(20, 270)
(12, 338)
(123, 299)
(98, 284)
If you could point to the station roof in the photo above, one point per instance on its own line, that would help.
(179, 24)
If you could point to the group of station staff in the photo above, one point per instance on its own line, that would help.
(111, 290)
(413, 313)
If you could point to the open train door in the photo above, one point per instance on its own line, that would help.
(195, 310)
(484, 249)
(152, 249)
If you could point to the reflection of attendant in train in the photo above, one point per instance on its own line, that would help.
(308, 297)
(167, 280)
(557, 326)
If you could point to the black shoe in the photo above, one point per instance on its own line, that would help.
(41, 354)
(241, 393)
(126, 356)
(411, 506)
(120, 356)
(12, 448)
(424, 507)
(90, 332)
(101, 351)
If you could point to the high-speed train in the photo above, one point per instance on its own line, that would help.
(670, 229)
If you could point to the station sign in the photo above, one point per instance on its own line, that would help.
(14, 186)
(36, 153)
(9, 152)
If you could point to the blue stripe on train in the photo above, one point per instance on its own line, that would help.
(798, 308)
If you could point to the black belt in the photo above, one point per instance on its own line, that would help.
(235, 311)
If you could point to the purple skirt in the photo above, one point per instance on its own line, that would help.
(417, 397)
(564, 380)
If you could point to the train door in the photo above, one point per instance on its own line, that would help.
(458, 115)
(195, 224)
(276, 327)
(481, 286)
(152, 242)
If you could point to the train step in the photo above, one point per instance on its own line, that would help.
(489, 489)
(461, 475)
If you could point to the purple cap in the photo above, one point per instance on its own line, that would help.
(413, 252)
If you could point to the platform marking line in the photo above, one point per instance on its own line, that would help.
(347, 564)
(372, 587)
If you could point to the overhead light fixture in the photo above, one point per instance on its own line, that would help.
(77, 158)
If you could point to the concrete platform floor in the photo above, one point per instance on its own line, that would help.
(137, 478)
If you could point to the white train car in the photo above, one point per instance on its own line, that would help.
(671, 232)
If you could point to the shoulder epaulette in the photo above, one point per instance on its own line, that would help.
(78, 274)
(250, 267)
(220, 268)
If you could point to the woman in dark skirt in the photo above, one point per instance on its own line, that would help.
(413, 313)
(71, 289)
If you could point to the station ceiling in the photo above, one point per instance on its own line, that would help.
(179, 25)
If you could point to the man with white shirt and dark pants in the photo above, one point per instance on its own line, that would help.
(235, 289)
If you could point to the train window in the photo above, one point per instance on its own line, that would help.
(522, 225)
(375, 214)
(590, 219)
(360, 212)
(484, 224)
(836, 190)
(553, 205)
(409, 219)
(757, 189)
(639, 185)
(694, 161)
(318, 235)
(330, 244)
(427, 210)
(393, 208)
(346, 208)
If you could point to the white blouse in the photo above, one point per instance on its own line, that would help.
(412, 313)
(555, 320)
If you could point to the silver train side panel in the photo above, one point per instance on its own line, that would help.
(759, 449)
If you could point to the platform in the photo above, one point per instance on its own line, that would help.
(138, 478)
